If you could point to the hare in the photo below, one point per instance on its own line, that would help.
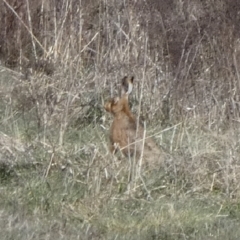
(125, 134)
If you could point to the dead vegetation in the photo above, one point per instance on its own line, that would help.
(61, 60)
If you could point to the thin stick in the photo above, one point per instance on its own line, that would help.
(49, 166)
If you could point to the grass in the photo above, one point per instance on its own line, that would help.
(60, 208)
(57, 177)
(79, 191)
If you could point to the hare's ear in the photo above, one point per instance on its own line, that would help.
(124, 88)
(130, 85)
(127, 85)
(131, 79)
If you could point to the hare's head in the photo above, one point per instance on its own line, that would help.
(116, 105)
(113, 106)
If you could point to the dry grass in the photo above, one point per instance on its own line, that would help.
(58, 179)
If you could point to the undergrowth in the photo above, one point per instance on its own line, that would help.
(60, 61)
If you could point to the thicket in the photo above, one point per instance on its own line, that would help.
(61, 60)
(186, 51)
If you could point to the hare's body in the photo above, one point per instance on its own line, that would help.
(125, 134)
(123, 129)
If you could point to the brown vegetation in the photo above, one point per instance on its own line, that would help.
(59, 61)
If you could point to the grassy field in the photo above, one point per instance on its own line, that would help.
(79, 191)
(60, 61)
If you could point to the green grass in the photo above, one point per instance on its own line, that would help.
(78, 202)
(77, 190)
(61, 207)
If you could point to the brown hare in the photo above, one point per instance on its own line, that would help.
(125, 134)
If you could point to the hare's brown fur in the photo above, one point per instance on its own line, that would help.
(124, 132)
